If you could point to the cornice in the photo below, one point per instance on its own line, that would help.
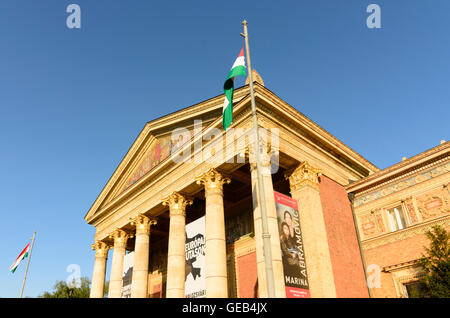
(405, 233)
(130, 169)
(290, 113)
(126, 160)
(403, 265)
(422, 175)
(407, 166)
(195, 111)
(291, 124)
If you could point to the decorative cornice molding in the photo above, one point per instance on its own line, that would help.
(403, 182)
(410, 166)
(323, 138)
(404, 234)
(395, 267)
(127, 159)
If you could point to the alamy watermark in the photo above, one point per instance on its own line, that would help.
(374, 19)
(74, 279)
(373, 276)
(73, 21)
(235, 145)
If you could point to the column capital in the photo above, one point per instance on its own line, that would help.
(177, 204)
(143, 223)
(101, 249)
(120, 238)
(303, 175)
(213, 181)
(266, 151)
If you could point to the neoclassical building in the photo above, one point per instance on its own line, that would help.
(183, 166)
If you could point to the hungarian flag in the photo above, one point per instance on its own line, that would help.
(19, 258)
(238, 69)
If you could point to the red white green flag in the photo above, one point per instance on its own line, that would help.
(19, 258)
(238, 69)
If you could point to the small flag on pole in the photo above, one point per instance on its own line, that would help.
(238, 69)
(19, 258)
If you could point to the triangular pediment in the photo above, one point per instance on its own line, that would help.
(154, 151)
(153, 147)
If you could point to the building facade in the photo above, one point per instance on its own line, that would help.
(184, 166)
(394, 208)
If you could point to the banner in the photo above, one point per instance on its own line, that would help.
(194, 283)
(127, 274)
(293, 257)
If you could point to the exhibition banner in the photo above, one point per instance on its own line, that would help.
(195, 283)
(293, 256)
(127, 274)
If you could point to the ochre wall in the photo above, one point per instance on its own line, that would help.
(342, 240)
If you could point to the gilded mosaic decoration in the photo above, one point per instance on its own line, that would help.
(162, 149)
(403, 184)
(157, 153)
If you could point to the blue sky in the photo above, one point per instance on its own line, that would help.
(72, 101)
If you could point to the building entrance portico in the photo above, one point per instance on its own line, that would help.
(172, 177)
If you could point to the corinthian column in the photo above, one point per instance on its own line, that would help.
(139, 282)
(176, 256)
(304, 184)
(215, 249)
(272, 222)
(98, 276)
(115, 282)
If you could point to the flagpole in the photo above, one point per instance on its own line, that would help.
(265, 227)
(28, 263)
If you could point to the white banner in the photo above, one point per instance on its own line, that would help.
(127, 275)
(195, 285)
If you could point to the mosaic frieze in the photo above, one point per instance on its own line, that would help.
(403, 184)
(160, 150)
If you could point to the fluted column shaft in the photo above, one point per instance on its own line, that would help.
(215, 243)
(115, 281)
(304, 184)
(139, 283)
(98, 276)
(176, 256)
